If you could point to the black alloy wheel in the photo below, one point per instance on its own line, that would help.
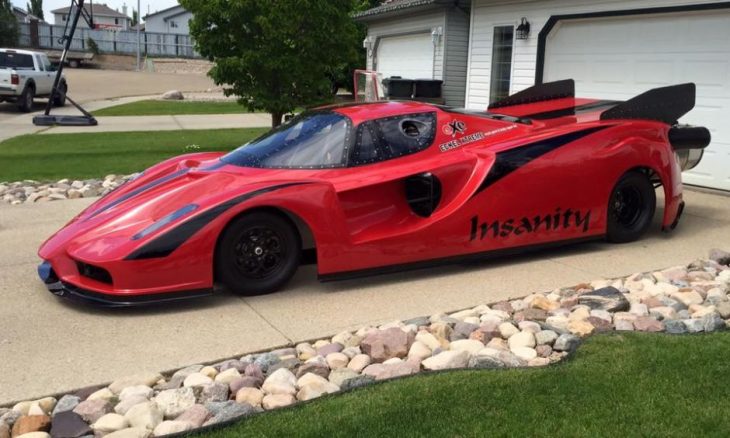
(258, 253)
(631, 207)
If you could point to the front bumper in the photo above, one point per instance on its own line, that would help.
(80, 295)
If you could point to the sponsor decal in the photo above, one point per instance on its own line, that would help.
(560, 220)
(454, 127)
(453, 144)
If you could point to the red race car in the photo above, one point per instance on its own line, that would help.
(378, 187)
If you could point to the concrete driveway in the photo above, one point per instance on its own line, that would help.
(47, 345)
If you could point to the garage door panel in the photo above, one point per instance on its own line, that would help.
(618, 58)
(408, 56)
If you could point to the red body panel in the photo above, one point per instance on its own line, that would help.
(359, 217)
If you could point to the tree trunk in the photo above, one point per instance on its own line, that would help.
(276, 119)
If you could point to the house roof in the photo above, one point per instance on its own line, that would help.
(23, 13)
(102, 10)
(391, 7)
(171, 10)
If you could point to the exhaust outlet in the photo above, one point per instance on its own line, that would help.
(688, 143)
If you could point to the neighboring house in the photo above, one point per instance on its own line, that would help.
(171, 20)
(614, 49)
(24, 16)
(104, 17)
(420, 39)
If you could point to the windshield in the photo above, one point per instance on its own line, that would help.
(16, 61)
(312, 140)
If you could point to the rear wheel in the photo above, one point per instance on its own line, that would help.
(59, 98)
(25, 102)
(257, 254)
(631, 207)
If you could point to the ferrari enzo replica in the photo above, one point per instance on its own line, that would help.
(378, 187)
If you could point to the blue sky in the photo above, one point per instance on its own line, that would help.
(146, 5)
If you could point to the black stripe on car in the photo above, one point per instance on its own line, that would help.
(574, 110)
(166, 243)
(510, 160)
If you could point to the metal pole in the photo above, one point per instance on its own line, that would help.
(139, 57)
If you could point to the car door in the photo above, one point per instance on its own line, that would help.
(44, 75)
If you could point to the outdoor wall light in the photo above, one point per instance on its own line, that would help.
(523, 30)
(436, 33)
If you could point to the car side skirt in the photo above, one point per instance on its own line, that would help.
(465, 258)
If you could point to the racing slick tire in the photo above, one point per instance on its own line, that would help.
(59, 99)
(630, 208)
(25, 101)
(257, 253)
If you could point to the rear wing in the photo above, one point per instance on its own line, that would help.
(665, 104)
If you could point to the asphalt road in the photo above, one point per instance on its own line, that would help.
(48, 346)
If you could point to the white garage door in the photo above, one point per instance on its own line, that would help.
(618, 58)
(408, 56)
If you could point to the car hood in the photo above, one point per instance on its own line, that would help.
(121, 221)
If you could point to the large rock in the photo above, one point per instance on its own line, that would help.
(712, 322)
(224, 411)
(507, 330)
(196, 379)
(468, 345)
(566, 342)
(273, 401)
(144, 415)
(195, 416)
(314, 367)
(67, 424)
(123, 406)
(31, 423)
(315, 387)
(675, 326)
(173, 95)
(545, 337)
(648, 324)
(173, 402)
(213, 392)
(282, 381)
(359, 362)
(227, 376)
(520, 340)
(386, 344)
(381, 371)
(447, 360)
(92, 410)
(170, 427)
(340, 375)
(478, 361)
(66, 403)
(136, 391)
(110, 423)
(251, 396)
(357, 382)
(607, 298)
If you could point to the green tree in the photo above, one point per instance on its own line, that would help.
(275, 55)
(135, 17)
(8, 25)
(35, 7)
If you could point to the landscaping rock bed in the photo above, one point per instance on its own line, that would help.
(534, 331)
(29, 191)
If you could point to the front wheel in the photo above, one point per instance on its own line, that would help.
(630, 208)
(258, 253)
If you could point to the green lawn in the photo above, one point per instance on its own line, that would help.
(90, 155)
(170, 107)
(616, 385)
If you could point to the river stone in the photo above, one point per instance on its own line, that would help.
(66, 403)
(144, 415)
(224, 411)
(195, 416)
(172, 95)
(238, 365)
(214, 392)
(694, 325)
(358, 363)
(607, 298)
(712, 322)
(110, 423)
(447, 360)
(522, 339)
(67, 424)
(566, 342)
(173, 402)
(675, 326)
(264, 361)
(382, 345)
(135, 391)
(252, 396)
(648, 324)
(170, 427)
(290, 363)
(340, 375)
(462, 330)
(123, 406)
(333, 347)
(31, 423)
(92, 410)
(227, 376)
(147, 379)
(468, 345)
(273, 401)
(420, 321)
(356, 382)
(281, 381)
(479, 361)
(196, 379)
(507, 330)
(545, 337)
(316, 387)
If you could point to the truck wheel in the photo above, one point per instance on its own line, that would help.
(631, 207)
(257, 254)
(73, 63)
(25, 101)
(60, 98)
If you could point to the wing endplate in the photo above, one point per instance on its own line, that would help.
(538, 93)
(665, 104)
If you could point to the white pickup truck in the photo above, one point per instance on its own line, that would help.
(25, 75)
